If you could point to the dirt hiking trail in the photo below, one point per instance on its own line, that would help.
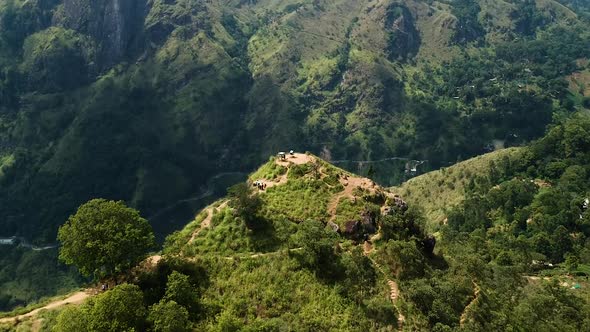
(350, 183)
(394, 293)
(206, 223)
(76, 298)
(467, 310)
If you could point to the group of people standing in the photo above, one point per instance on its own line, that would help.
(261, 185)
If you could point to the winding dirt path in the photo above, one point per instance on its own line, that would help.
(464, 315)
(350, 183)
(75, 298)
(394, 293)
(206, 223)
(271, 183)
(272, 253)
(393, 290)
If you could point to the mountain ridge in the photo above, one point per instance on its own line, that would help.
(146, 101)
(301, 236)
(204, 87)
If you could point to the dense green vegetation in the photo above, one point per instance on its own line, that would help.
(104, 238)
(147, 100)
(513, 254)
(516, 243)
(24, 276)
(216, 84)
(439, 191)
(539, 201)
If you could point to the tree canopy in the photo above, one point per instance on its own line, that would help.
(169, 316)
(121, 309)
(104, 237)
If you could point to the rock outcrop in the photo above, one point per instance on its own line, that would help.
(403, 37)
(116, 25)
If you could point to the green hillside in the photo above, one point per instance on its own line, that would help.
(148, 104)
(304, 245)
(149, 101)
(302, 188)
(439, 191)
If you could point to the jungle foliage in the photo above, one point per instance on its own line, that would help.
(147, 103)
(512, 255)
(104, 237)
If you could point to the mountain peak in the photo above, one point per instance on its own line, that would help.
(298, 187)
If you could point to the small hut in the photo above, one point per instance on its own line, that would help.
(282, 156)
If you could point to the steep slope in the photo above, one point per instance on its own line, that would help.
(147, 100)
(439, 191)
(129, 98)
(300, 188)
(303, 244)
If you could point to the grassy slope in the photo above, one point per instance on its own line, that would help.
(302, 197)
(330, 55)
(190, 125)
(579, 81)
(440, 190)
(239, 260)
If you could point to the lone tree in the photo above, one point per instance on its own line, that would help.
(104, 237)
(245, 202)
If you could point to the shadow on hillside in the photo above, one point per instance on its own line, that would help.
(263, 235)
(153, 283)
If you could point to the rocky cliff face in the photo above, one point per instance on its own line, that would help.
(403, 37)
(115, 24)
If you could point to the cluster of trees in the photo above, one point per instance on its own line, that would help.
(528, 209)
(527, 18)
(468, 28)
(514, 220)
(547, 215)
(105, 239)
(124, 308)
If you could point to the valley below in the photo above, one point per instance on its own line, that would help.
(439, 179)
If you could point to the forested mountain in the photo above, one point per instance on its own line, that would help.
(306, 246)
(147, 100)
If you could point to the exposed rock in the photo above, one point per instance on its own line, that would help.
(333, 226)
(404, 38)
(116, 25)
(428, 244)
(351, 229)
(397, 205)
(358, 230)
(369, 222)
